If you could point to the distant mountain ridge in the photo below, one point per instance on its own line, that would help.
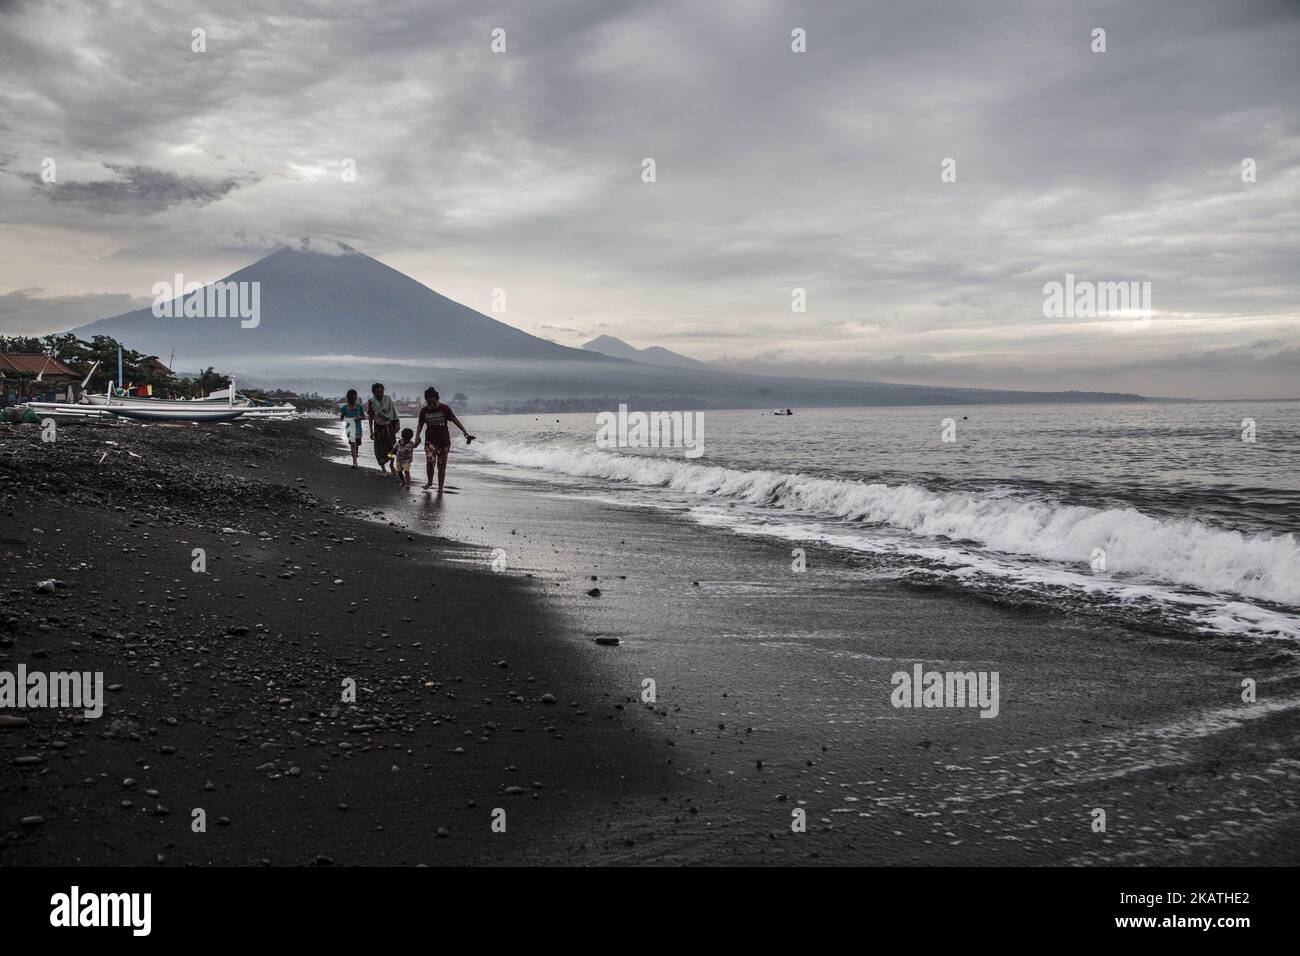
(653, 355)
(336, 317)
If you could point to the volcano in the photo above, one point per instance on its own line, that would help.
(339, 302)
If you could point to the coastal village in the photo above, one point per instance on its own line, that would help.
(62, 376)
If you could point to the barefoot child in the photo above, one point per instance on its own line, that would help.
(402, 456)
(352, 413)
(437, 440)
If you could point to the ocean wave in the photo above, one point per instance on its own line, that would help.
(1182, 551)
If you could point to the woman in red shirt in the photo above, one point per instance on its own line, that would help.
(437, 440)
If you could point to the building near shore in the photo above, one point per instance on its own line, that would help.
(154, 367)
(25, 375)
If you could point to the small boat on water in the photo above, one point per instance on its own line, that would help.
(782, 411)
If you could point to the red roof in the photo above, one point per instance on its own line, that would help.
(31, 363)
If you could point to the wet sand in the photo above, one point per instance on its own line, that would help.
(772, 687)
(757, 664)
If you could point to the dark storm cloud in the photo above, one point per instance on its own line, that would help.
(138, 189)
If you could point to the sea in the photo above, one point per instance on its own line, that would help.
(1181, 516)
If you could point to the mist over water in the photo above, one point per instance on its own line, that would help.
(1147, 511)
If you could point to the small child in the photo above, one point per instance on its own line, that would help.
(402, 456)
(353, 413)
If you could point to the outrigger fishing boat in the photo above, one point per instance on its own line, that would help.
(224, 405)
(227, 398)
(122, 397)
(75, 411)
(217, 407)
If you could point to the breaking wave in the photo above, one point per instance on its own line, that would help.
(1179, 551)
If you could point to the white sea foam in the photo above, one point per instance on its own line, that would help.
(1197, 610)
(1183, 552)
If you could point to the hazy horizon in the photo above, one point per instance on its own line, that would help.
(775, 170)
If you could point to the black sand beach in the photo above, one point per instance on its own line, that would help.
(480, 690)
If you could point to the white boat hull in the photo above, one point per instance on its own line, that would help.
(218, 413)
(253, 411)
(163, 412)
(96, 399)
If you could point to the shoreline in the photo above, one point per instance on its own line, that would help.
(772, 690)
(229, 681)
(805, 661)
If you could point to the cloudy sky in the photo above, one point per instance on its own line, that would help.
(775, 170)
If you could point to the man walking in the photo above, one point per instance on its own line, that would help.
(382, 414)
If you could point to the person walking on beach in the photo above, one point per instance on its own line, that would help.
(352, 412)
(402, 455)
(437, 440)
(383, 424)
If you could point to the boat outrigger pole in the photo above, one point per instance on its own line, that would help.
(86, 381)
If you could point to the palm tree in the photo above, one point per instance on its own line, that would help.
(210, 380)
